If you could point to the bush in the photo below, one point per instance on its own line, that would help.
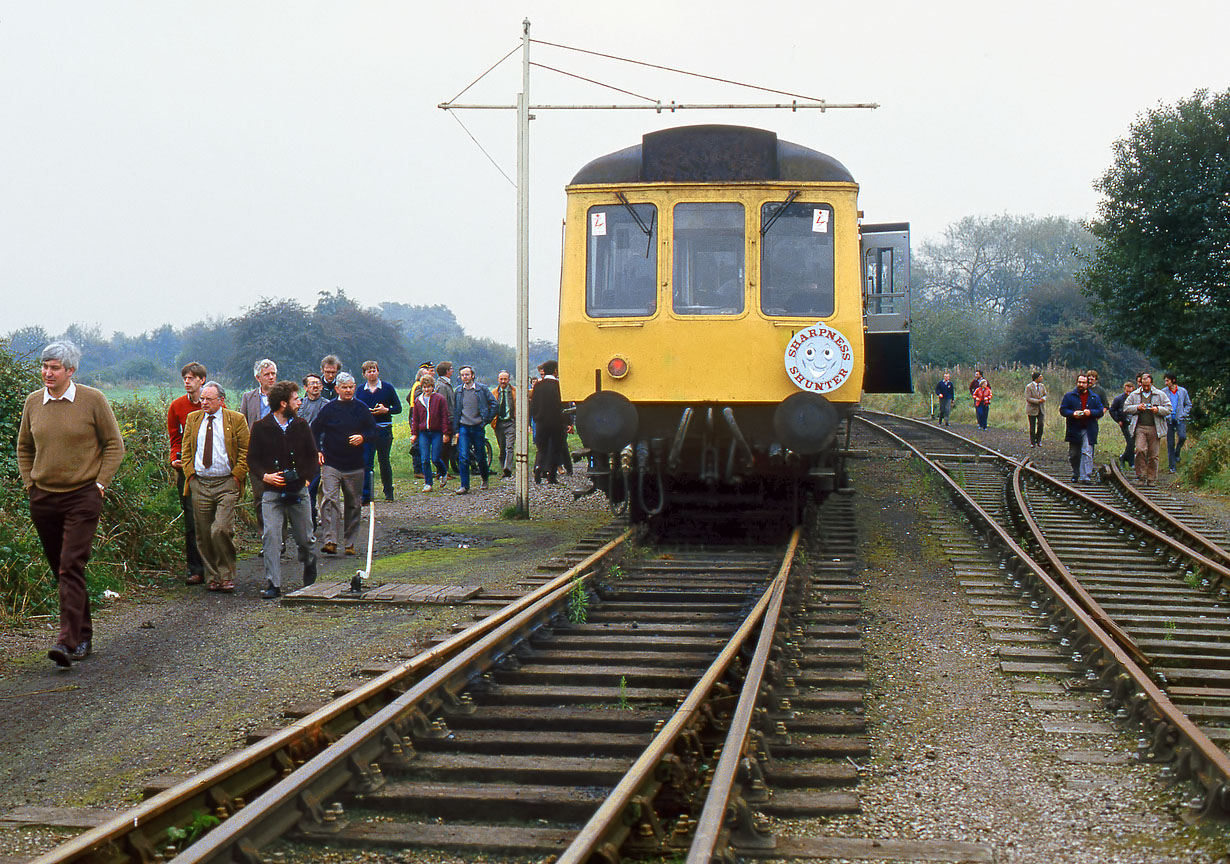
(138, 532)
(1206, 458)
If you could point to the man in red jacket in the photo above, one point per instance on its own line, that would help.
(194, 375)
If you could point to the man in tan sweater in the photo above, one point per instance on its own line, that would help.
(68, 450)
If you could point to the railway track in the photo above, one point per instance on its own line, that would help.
(1135, 596)
(656, 702)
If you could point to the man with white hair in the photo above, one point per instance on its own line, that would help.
(341, 429)
(69, 449)
(254, 405)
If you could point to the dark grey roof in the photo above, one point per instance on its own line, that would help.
(713, 154)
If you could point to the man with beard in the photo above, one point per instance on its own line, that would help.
(1148, 408)
(283, 452)
(1082, 408)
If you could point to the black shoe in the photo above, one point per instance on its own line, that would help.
(507, 473)
(388, 496)
(271, 592)
(309, 574)
(61, 655)
(85, 649)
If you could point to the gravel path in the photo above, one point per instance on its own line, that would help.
(180, 675)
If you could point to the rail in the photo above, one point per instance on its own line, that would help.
(226, 785)
(629, 804)
(1126, 682)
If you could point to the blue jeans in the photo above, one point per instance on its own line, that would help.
(982, 412)
(471, 437)
(429, 453)
(380, 446)
(1176, 434)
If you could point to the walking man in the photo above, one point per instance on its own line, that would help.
(448, 446)
(341, 429)
(69, 448)
(982, 403)
(283, 453)
(215, 458)
(194, 375)
(1035, 403)
(474, 408)
(946, 390)
(505, 421)
(1128, 459)
(1176, 424)
(381, 399)
(1082, 409)
(1147, 407)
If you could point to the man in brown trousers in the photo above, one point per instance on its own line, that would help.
(69, 448)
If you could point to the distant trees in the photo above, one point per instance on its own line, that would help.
(1161, 272)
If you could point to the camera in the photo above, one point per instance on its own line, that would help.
(289, 476)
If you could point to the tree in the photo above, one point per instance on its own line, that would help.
(211, 342)
(283, 331)
(991, 263)
(1056, 327)
(943, 336)
(356, 334)
(28, 341)
(1161, 271)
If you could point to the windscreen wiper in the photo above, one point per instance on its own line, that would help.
(779, 211)
(636, 217)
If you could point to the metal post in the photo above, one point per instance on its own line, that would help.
(523, 278)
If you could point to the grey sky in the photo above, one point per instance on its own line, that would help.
(160, 162)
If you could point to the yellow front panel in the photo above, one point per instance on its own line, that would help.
(693, 358)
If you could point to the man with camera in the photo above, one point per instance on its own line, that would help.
(282, 452)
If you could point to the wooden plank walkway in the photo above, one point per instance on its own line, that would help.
(390, 593)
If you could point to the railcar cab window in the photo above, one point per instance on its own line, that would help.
(796, 260)
(621, 261)
(709, 272)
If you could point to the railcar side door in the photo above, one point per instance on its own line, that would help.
(886, 307)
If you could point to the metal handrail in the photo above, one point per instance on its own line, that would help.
(722, 786)
(305, 730)
(605, 830)
(1166, 711)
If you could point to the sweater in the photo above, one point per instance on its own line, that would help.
(382, 395)
(177, 416)
(333, 427)
(63, 446)
(271, 450)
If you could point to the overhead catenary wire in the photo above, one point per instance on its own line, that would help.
(490, 158)
(599, 83)
(677, 71)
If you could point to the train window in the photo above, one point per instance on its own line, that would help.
(709, 272)
(621, 261)
(796, 260)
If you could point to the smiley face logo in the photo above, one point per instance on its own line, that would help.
(819, 359)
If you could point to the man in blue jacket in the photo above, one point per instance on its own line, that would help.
(1081, 408)
(946, 391)
(1176, 423)
(473, 409)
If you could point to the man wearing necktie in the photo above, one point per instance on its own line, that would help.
(215, 463)
(505, 421)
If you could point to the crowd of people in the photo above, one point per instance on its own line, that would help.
(310, 460)
(1144, 413)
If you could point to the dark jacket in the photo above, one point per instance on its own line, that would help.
(1116, 409)
(271, 450)
(432, 416)
(486, 404)
(333, 427)
(945, 390)
(546, 408)
(1072, 402)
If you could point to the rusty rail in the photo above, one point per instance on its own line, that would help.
(1125, 681)
(142, 830)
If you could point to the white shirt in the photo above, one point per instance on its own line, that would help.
(69, 395)
(222, 462)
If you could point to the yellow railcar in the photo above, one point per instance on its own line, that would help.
(718, 307)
